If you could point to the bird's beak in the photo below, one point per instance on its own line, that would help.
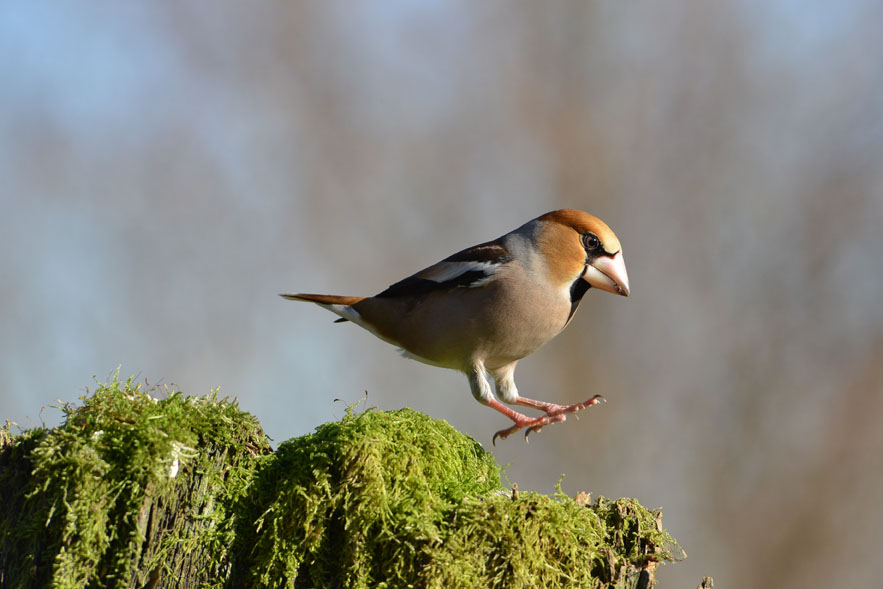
(608, 273)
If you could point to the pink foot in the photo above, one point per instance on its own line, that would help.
(554, 414)
(554, 409)
(532, 424)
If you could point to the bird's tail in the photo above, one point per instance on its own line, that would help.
(338, 305)
(322, 299)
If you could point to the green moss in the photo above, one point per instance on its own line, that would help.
(377, 499)
(352, 503)
(79, 496)
(396, 499)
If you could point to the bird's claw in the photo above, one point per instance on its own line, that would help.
(544, 421)
(593, 401)
(530, 430)
(504, 433)
(536, 425)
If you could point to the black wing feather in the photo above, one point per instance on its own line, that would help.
(412, 285)
(491, 253)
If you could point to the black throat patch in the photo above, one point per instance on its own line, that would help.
(577, 290)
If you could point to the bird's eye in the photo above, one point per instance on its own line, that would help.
(592, 242)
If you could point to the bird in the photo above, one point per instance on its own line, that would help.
(484, 308)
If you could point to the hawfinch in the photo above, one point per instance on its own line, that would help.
(485, 308)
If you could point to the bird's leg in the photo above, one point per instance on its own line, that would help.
(507, 391)
(534, 424)
(552, 409)
(554, 414)
(481, 390)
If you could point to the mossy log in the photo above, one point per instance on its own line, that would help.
(134, 491)
(128, 492)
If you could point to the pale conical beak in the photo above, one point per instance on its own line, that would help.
(608, 273)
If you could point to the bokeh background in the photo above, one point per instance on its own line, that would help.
(167, 169)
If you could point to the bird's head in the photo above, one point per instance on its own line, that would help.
(579, 244)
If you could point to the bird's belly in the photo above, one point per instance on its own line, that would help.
(450, 333)
(517, 338)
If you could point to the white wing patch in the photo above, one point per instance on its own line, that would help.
(449, 271)
(470, 268)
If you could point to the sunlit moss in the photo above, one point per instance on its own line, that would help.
(135, 488)
(355, 503)
(397, 499)
(78, 498)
